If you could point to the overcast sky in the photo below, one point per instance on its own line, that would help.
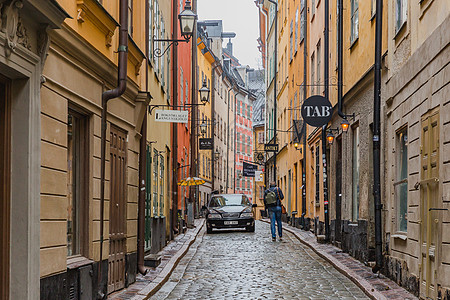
(241, 17)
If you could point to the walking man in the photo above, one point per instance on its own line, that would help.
(272, 201)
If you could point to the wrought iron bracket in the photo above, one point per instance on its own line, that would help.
(153, 106)
(157, 52)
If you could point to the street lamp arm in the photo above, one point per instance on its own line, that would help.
(157, 52)
(153, 106)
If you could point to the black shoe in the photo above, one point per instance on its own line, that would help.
(280, 238)
(274, 239)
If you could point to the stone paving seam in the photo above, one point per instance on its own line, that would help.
(162, 277)
(361, 282)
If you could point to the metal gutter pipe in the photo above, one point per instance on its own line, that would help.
(106, 96)
(175, 125)
(194, 101)
(305, 92)
(324, 128)
(275, 91)
(377, 139)
(340, 56)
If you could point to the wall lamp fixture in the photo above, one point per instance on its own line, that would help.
(345, 124)
(187, 22)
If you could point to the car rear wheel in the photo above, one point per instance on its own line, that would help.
(251, 228)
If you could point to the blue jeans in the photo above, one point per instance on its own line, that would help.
(275, 215)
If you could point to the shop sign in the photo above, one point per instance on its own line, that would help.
(317, 111)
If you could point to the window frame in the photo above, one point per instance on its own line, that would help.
(354, 25)
(83, 181)
(401, 178)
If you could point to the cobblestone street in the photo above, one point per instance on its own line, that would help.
(242, 265)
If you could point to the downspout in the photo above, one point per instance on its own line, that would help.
(194, 126)
(213, 120)
(234, 142)
(174, 125)
(275, 91)
(376, 138)
(324, 128)
(305, 90)
(340, 58)
(106, 96)
(228, 136)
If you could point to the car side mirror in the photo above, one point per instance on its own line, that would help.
(254, 205)
(203, 207)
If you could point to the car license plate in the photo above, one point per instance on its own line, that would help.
(230, 222)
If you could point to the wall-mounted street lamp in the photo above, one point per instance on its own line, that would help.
(204, 93)
(330, 135)
(203, 128)
(345, 124)
(187, 24)
(204, 98)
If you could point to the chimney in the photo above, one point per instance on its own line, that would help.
(230, 47)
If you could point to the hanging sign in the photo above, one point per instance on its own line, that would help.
(249, 169)
(271, 147)
(259, 176)
(317, 111)
(205, 143)
(172, 116)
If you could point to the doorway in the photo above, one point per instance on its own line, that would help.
(429, 204)
(5, 167)
(117, 215)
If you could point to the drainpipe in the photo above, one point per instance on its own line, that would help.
(106, 96)
(324, 128)
(376, 138)
(228, 135)
(194, 126)
(305, 91)
(275, 91)
(340, 57)
(174, 125)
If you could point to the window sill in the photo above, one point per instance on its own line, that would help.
(352, 44)
(400, 235)
(75, 262)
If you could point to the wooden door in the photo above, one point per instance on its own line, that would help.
(148, 201)
(5, 167)
(117, 213)
(429, 195)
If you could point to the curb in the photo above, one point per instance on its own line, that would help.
(363, 284)
(153, 287)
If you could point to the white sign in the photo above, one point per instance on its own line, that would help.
(172, 116)
(259, 176)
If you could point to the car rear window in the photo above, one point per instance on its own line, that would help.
(229, 200)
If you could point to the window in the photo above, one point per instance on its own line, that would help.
(130, 17)
(401, 184)
(354, 21)
(296, 32)
(373, 9)
(150, 29)
(312, 73)
(181, 86)
(355, 174)
(77, 169)
(400, 14)
(317, 173)
(155, 182)
(302, 20)
(161, 185)
(319, 58)
(313, 7)
(291, 44)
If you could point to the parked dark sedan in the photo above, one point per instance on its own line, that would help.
(229, 211)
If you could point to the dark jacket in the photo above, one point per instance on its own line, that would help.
(279, 194)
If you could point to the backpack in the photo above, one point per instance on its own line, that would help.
(271, 198)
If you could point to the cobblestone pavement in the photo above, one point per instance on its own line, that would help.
(242, 265)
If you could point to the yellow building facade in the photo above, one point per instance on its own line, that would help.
(82, 63)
